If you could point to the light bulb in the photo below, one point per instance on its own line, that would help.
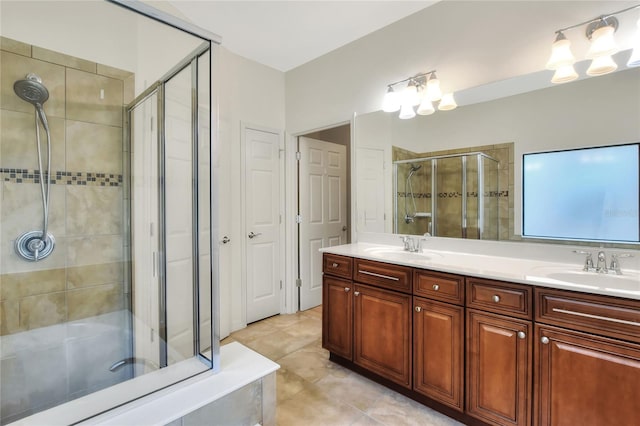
(560, 53)
(426, 107)
(602, 65)
(564, 74)
(447, 103)
(407, 111)
(391, 102)
(602, 43)
(434, 93)
(634, 60)
(410, 95)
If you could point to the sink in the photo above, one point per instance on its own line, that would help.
(399, 254)
(628, 283)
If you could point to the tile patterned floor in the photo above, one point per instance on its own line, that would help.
(314, 391)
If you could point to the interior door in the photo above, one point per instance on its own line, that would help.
(322, 193)
(370, 172)
(262, 201)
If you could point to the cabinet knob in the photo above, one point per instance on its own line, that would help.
(335, 265)
(496, 298)
(436, 287)
(347, 289)
(545, 340)
(522, 335)
(356, 293)
(418, 308)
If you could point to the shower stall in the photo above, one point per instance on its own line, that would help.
(447, 196)
(106, 273)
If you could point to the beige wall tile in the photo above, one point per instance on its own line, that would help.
(42, 310)
(62, 59)
(15, 46)
(9, 317)
(113, 72)
(18, 146)
(94, 250)
(94, 210)
(129, 89)
(93, 147)
(89, 275)
(91, 301)
(15, 67)
(84, 102)
(16, 286)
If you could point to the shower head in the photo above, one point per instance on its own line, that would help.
(415, 167)
(31, 89)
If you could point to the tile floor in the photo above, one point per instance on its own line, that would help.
(311, 390)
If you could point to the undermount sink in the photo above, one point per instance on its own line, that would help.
(629, 281)
(398, 253)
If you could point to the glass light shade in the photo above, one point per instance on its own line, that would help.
(561, 55)
(564, 74)
(391, 102)
(407, 111)
(447, 103)
(602, 43)
(410, 95)
(602, 65)
(426, 107)
(634, 60)
(434, 93)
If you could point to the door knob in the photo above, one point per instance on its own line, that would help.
(252, 235)
(344, 228)
(347, 289)
(225, 240)
(521, 335)
(545, 340)
(418, 309)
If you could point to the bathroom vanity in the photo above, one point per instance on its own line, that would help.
(493, 340)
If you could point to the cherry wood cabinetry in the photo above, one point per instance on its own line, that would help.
(586, 380)
(438, 351)
(382, 333)
(337, 316)
(499, 366)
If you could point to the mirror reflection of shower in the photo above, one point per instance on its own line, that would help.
(37, 244)
(409, 216)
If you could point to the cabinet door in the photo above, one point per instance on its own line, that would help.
(382, 324)
(498, 368)
(337, 316)
(438, 351)
(582, 379)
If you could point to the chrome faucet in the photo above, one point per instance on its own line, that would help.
(588, 261)
(413, 245)
(615, 263)
(601, 266)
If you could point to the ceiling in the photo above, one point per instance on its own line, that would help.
(286, 34)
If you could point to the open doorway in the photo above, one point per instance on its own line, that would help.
(324, 204)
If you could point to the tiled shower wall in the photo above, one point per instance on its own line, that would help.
(84, 276)
(449, 202)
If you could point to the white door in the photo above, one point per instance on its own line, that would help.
(370, 187)
(262, 237)
(323, 210)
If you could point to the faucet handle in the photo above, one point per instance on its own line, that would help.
(615, 263)
(588, 262)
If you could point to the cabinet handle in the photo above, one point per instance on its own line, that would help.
(356, 293)
(436, 287)
(373, 274)
(335, 265)
(418, 308)
(347, 289)
(544, 340)
(598, 317)
(496, 298)
(521, 335)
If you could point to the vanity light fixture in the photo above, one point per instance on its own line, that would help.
(421, 90)
(603, 45)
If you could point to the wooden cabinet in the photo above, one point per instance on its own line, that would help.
(586, 380)
(337, 316)
(382, 333)
(438, 351)
(499, 367)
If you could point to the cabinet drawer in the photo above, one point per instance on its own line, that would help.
(607, 316)
(340, 266)
(386, 275)
(500, 297)
(439, 286)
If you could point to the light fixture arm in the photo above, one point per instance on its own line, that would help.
(418, 79)
(601, 18)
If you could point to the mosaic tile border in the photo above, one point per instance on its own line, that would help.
(490, 194)
(62, 177)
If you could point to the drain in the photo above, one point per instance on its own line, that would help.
(30, 246)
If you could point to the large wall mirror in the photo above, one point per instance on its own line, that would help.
(395, 158)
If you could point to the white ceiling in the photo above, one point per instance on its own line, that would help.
(286, 34)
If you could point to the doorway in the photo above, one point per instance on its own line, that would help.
(324, 216)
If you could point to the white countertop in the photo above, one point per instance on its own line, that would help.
(514, 262)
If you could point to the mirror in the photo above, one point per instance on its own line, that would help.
(593, 111)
